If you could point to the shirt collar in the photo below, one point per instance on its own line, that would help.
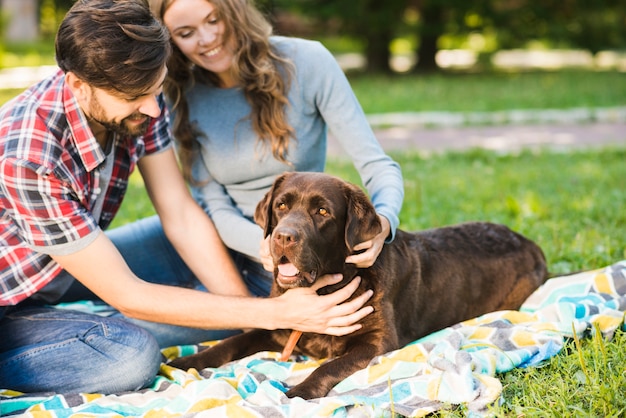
(88, 147)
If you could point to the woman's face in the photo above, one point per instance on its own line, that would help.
(198, 31)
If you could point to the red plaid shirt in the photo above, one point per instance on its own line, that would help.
(50, 180)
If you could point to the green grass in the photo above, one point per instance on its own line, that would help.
(26, 54)
(7, 94)
(587, 380)
(494, 91)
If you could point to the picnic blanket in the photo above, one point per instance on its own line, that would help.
(457, 365)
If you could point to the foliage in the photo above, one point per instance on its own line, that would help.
(592, 25)
(367, 20)
(430, 25)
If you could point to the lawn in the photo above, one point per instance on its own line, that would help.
(493, 91)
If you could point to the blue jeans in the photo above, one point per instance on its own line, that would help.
(43, 348)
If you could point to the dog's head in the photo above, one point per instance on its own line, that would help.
(314, 220)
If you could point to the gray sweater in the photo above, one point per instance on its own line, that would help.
(240, 171)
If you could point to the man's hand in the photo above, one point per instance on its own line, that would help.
(373, 247)
(304, 310)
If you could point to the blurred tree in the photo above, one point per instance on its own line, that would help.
(50, 13)
(372, 21)
(592, 25)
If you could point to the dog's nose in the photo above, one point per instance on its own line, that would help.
(285, 236)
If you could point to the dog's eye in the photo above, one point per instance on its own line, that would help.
(323, 211)
(281, 206)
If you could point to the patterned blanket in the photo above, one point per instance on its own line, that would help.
(457, 365)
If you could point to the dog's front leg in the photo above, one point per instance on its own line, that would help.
(232, 348)
(325, 377)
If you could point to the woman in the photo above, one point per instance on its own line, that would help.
(248, 106)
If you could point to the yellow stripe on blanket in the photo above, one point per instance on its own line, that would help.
(602, 284)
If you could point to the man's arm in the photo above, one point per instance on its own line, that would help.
(102, 269)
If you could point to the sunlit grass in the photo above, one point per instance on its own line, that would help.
(493, 91)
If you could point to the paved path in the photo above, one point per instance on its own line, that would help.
(502, 138)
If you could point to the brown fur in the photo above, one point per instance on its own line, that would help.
(422, 281)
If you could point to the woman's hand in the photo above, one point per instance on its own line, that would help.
(373, 247)
(304, 310)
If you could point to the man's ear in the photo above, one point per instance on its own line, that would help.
(80, 89)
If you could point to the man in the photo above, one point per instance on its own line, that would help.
(68, 146)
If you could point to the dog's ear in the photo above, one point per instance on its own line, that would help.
(362, 222)
(263, 211)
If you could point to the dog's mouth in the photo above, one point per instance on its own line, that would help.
(290, 276)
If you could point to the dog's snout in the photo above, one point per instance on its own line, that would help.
(286, 236)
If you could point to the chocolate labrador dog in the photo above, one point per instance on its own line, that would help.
(422, 281)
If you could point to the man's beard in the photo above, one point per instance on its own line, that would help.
(123, 128)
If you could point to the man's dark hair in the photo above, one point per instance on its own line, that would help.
(113, 45)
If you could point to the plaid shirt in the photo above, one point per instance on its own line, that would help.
(50, 180)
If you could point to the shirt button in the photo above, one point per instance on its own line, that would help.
(97, 190)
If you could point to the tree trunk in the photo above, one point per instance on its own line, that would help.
(430, 30)
(377, 53)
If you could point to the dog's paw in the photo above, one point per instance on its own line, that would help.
(190, 362)
(305, 391)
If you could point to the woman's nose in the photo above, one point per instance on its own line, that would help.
(207, 36)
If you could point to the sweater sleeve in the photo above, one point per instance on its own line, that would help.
(326, 83)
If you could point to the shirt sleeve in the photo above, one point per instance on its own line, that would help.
(335, 100)
(47, 213)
